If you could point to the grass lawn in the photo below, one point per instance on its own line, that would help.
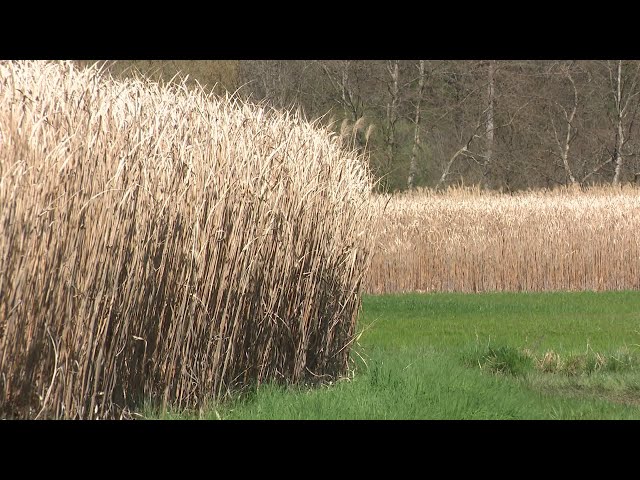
(475, 356)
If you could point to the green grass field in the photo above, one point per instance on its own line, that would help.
(474, 356)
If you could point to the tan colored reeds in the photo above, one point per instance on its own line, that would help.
(157, 242)
(468, 240)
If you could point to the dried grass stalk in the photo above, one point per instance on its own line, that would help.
(158, 242)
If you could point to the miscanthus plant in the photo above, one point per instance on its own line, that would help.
(158, 242)
(470, 240)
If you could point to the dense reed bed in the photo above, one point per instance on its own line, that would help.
(160, 243)
(467, 240)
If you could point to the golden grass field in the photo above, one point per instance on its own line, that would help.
(469, 240)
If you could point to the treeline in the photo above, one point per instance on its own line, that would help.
(504, 124)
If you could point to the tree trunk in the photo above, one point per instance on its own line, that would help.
(346, 94)
(392, 109)
(413, 166)
(619, 129)
(564, 148)
(490, 123)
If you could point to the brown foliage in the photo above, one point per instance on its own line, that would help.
(156, 242)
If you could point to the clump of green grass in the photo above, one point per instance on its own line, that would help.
(501, 360)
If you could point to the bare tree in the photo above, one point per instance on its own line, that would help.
(392, 107)
(490, 122)
(624, 89)
(563, 142)
(475, 117)
(339, 75)
(464, 151)
(413, 165)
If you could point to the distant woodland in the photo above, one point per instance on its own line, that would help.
(498, 124)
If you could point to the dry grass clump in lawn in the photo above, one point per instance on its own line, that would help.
(469, 240)
(585, 363)
(158, 242)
